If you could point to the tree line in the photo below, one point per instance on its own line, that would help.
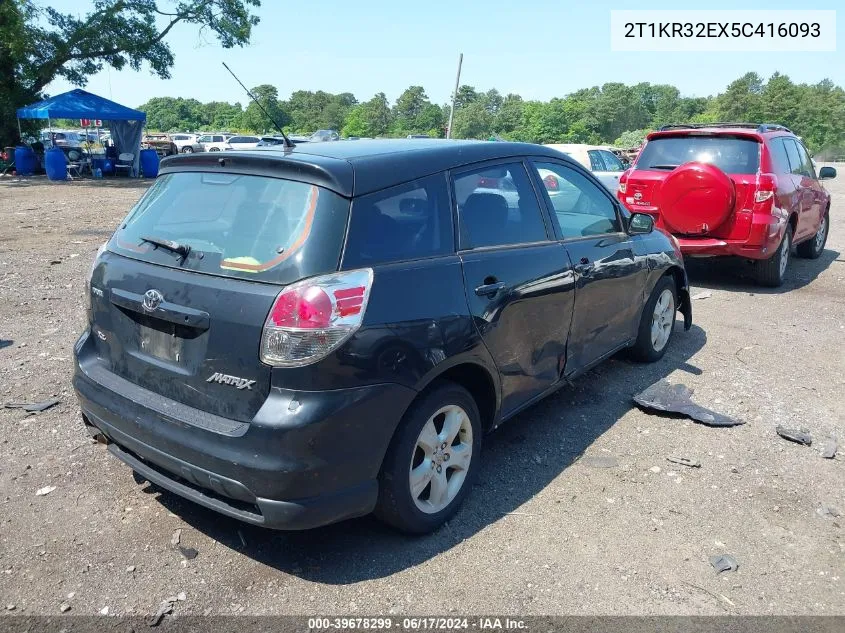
(614, 113)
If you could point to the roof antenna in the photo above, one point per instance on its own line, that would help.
(287, 142)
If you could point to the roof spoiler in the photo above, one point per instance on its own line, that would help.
(759, 127)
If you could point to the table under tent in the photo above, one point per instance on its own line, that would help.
(125, 125)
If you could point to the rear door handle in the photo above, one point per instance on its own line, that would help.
(584, 266)
(489, 290)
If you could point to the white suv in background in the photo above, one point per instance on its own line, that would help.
(243, 142)
(186, 143)
(597, 158)
(214, 142)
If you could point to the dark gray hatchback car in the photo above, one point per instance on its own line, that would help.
(293, 338)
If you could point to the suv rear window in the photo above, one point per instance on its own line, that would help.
(253, 227)
(731, 154)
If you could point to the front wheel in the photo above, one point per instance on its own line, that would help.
(771, 272)
(187, 149)
(214, 149)
(657, 322)
(431, 461)
(812, 249)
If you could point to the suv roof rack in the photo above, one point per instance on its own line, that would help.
(760, 127)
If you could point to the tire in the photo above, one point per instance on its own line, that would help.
(657, 322)
(413, 449)
(214, 149)
(187, 149)
(771, 272)
(814, 247)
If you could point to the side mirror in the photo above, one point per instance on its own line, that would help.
(826, 173)
(640, 224)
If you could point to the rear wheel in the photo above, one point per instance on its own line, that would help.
(214, 149)
(431, 461)
(813, 248)
(187, 149)
(771, 272)
(657, 322)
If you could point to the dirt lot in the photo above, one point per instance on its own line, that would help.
(544, 532)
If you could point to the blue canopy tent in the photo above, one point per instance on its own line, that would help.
(125, 124)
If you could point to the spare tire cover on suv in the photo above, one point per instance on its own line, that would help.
(696, 198)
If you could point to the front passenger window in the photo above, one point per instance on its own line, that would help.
(581, 208)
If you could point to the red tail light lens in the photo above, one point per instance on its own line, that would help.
(623, 181)
(767, 185)
(311, 318)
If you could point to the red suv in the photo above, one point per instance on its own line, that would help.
(739, 189)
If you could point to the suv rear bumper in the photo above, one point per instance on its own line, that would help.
(762, 242)
(307, 459)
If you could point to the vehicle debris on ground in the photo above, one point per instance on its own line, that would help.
(724, 562)
(799, 436)
(33, 407)
(668, 398)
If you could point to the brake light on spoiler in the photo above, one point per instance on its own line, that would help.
(313, 317)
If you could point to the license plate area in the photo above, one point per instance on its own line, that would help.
(161, 342)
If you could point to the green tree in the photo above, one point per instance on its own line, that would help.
(40, 43)
(742, 100)
(254, 119)
(631, 138)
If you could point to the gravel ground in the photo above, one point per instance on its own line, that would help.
(546, 531)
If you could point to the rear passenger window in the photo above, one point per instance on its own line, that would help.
(795, 166)
(596, 163)
(408, 221)
(611, 162)
(780, 162)
(581, 208)
(497, 206)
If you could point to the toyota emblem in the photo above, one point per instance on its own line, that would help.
(638, 196)
(152, 300)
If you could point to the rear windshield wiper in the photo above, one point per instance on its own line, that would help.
(176, 247)
(663, 166)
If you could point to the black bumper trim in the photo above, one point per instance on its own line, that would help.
(301, 514)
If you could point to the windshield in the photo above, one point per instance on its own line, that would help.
(733, 155)
(235, 225)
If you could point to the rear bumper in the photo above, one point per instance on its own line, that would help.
(307, 458)
(762, 241)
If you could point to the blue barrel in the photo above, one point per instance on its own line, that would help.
(108, 166)
(55, 164)
(149, 163)
(25, 161)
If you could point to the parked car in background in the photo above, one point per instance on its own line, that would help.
(61, 138)
(599, 159)
(324, 135)
(740, 189)
(293, 338)
(214, 142)
(270, 141)
(187, 143)
(161, 143)
(243, 142)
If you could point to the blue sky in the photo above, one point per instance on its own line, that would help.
(536, 49)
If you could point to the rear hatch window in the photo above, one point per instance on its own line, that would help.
(731, 154)
(251, 227)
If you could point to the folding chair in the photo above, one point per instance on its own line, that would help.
(125, 161)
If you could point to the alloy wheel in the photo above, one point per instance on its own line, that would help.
(441, 459)
(662, 320)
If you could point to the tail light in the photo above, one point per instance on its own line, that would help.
(767, 185)
(311, 318)
(551, 183)
(623, 181)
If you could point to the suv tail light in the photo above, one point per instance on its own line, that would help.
(623, 180)
(767, 185)
(311, 318)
